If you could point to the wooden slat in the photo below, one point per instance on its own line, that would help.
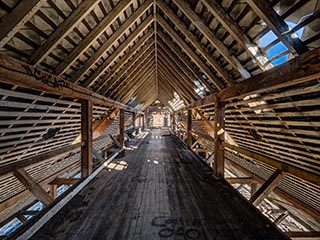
(33, 186)
(237, 180)
(92, 36)
(64, 181)
(62, 31)
(110, 41)
(15, 20)
(38, 158)
(296, 171)
(86, 137)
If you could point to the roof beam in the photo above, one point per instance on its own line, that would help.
(237, 33)
(13, 71)
(170, 47)
(135, 69)
(146, 50)
(92, 36)
(111, 40)
(181, 26)
(62, 31)
(195, 58)
(303, 68)
(117, 53)
(15, 20)
(141, 45)
(211, 37)
(266, 12)
(307, 176)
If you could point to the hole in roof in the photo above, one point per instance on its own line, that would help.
(200, 90)
(267, 38)
(176, 103)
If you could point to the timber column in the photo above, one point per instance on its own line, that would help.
(86, 137)
(189, 128)
(219, 131)
(121, 128)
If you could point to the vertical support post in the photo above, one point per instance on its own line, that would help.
(134, 118)
(189, 129)
(53, 191)
(143, 121)
(173, 123)
(86, 137)
(121, 128)
(219, 131)
(253, 188)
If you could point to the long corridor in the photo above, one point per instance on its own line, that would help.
(159, 190)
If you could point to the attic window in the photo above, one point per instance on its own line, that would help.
(254, 104)
(200, 88)
(176, 103)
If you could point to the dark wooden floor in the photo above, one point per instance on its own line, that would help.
(158, 191)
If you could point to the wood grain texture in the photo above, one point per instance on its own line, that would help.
(158, 190)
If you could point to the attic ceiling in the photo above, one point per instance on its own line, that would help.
(147, 50)
(178, 52)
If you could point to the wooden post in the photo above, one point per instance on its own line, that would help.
(253, 189)
(32, 186)
(143, 121)
(267, 187)
(134, 118)
(173, 123)
(189, 129)
(53, 190)
(219, 131)
(86, 137)
(121, 128)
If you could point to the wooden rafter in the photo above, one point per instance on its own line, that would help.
(211, 37)
(110, 41)
(92, 36)
(195, 58)
(266, 12)
(237, 33)
(181, 26)
(14, 21)
(62, 31)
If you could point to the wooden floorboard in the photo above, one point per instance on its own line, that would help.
(159, 190)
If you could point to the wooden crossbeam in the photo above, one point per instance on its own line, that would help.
(301, 69)
(267, 187)
(62, 31)
(245, 180)
(13, 71)
(15, 20)
(237, 33)
(33, 186)
(211, 37)
(300, 173)
(86, 137)
(62, 181)
(266, 12)
(92, 36)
